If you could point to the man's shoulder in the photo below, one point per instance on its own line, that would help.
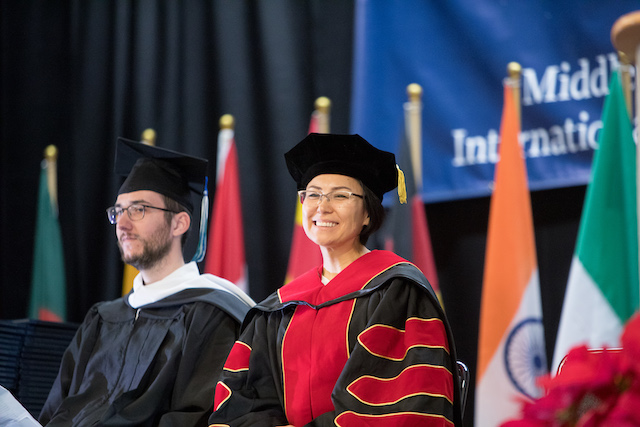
(218, 298)
(116, 310)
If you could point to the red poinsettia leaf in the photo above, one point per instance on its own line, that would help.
(587, 369)
(630, 340)
(524, 423)
(545, 408)
(631, 336)
(593, 388)
(625, 411)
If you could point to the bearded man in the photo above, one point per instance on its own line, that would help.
(153, 356)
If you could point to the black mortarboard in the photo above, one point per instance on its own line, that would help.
(167, 172)
(349, 155)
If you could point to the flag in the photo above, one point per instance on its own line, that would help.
(128, 274)
(129, 271)
(225, 256)
(511, 350)
(48, 300)
(602, 290)
(406, 231)
(304, 254)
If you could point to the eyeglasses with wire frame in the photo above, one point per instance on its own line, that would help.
(135, 212)
(311, 197)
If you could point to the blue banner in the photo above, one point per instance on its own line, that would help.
(458, 51)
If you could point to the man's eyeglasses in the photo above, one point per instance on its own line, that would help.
(310, 197)
(135, 212)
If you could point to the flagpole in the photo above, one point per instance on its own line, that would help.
(514, 70)
(625, 77)
(227, 121)
(225, 245)
(510, 360)
(323, 108)
(420, 251)
(51, 159)
(149, 137)
(413, 129)
(625, 36)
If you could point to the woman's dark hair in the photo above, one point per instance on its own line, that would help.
(374, 208)
(174, 206)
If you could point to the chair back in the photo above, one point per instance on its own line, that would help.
(463, 379)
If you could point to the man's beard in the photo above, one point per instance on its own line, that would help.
(154, 250)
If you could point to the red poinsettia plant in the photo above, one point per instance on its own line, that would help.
(592, 388)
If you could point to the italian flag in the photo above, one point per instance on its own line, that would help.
(602, 291)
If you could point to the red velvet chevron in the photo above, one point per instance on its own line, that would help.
(391, 343)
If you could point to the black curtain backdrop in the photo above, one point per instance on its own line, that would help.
(80, 73)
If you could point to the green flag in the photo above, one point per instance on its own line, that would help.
(602, 291)
(48, 286)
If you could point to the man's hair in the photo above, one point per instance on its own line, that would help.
(376, 212)
(174, 206)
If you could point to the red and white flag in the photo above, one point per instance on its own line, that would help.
(304, 254)
(225, 253)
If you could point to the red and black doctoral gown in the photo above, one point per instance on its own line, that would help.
(370, 348)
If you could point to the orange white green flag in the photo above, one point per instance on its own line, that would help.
(511, 349)
(602, 290)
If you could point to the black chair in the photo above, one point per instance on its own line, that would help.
(463, 378)
(30, 354)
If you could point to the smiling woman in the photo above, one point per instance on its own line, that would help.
(359, 339)
(334, 220)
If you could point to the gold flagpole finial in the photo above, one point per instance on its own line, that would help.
(413, 130)
(51, 153)
(322, 111)
(149, 136)
(227, 121)
(323, 104)
(414, 90)
(514, 69)
(51, 162)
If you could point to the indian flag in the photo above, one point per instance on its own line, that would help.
(602, 291)
(511, 350)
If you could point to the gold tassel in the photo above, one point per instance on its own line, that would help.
(402, 188)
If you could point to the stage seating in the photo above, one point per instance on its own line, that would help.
(30, 354)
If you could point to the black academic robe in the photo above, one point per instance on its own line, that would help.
(152, 366)
(371, 348)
